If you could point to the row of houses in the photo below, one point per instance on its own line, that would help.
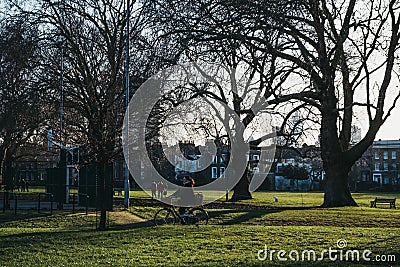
(379, 167)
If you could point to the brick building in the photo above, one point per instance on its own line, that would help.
(384, 162)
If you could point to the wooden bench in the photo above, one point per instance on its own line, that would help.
(391, 201)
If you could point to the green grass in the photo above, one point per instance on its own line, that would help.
(292, 199)
(310, 199)
(135, 194)
(339, 217)
(184, 246)
(232, 238)
(144, 212)
(39, 189)
(60, 220)
(343, 217)
(32, 189)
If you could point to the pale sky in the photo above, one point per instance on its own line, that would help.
(391, 129)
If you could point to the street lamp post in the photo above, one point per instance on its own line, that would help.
(60, 44)
(126, 171)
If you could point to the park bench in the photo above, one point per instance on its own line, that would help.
(391, 201)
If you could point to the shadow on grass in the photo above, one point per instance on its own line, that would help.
(231, 217)
(9, 216)
(216, 217)
(47, 234)
(131, 225)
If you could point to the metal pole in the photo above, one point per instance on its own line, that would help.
(67, 180)
(73, 203)
(126, 171)
(61, 69)
(51, 204)
(79, 177)
(87, 204)
(38, 206)
(226, 188)
(4, 202)
(60, 44)
(61, 88)
(16, 203)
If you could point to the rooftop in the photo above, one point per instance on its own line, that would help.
(386, 144)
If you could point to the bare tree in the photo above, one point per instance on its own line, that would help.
(93, 37)
(337, 58)
(340, 46)
(203, 28)
(21, 100)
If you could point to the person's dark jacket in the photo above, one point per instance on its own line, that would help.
(187, 194)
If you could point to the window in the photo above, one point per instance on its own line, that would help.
(376, 166)
(394, 166)
(256, 157)
(385, 166)
(221, 170)
(279, 169)
(364, 177)
(217, 159)
(214, 172)
(386, 180)
(376, 155)
(394, 155)
(385, 155)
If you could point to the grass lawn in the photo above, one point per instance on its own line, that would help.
(232, 238)
(311, 198)
(285, 199)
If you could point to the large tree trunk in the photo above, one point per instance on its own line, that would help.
(8, 171)
(101, 198)
(1, 161)
(337, 190)
(336, 162)
(241, 190)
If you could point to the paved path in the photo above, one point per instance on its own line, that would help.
(121, 219)
(45, 205)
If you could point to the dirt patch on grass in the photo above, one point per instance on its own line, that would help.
(123, 217)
